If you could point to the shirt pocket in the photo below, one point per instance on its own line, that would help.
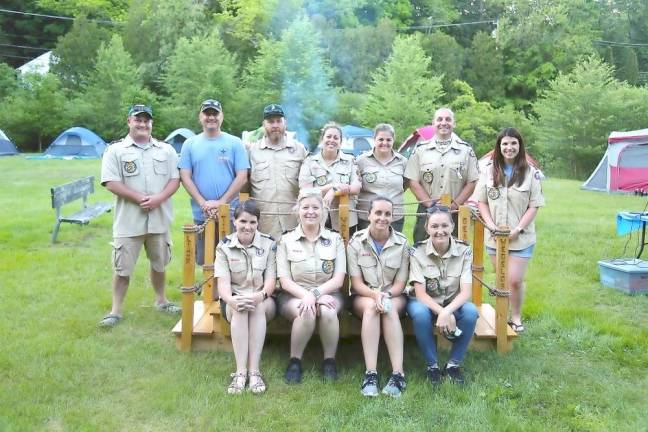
(432, 277)
(238, 271)
(391, 268)
(259, 265)
(369, 270)
(298, 265)
(260, 171)
(160, 164)
(130, 164)
(453, 282)
(292, 170)
(343, 174)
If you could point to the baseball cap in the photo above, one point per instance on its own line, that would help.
(140, 108)
(211, 104)
(273, 110)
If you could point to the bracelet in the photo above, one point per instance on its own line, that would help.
(264, 294)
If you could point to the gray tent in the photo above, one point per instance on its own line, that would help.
(178, 137)
(7, 148)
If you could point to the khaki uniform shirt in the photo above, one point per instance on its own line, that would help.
(441, 275)
(508, 204)
(247, 266)
(315, 172)
(443, 169)
(381, 179)
(379, 271)
(310, 264)
(274, 173)
(146, 170)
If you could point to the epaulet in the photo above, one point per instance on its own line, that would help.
(461, 242)
(116, 141)
(332, 230)
(288, 231)
(466, 143)
(268, 236)
(356, 234)
(400, 234)
(419, 243)
(225, 240)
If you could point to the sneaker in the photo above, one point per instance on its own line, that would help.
(395, 386)
(329, 371)
(109, 321)
(433, 373)
(370, 384)
(170, 308)
(454, 374)
(293, 371)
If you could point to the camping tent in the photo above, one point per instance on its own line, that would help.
(77, 142)
(424, 133)
(178, 137)
(624, 167)
(356, 139)
(7, 148)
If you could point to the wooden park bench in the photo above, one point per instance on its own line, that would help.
(203, 328)
(69, 192)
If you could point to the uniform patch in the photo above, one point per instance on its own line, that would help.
(431, 284)
(370, 177)
(493, 193)
(411, 251)
(130, 167)
(344, 178)
(427, 176)
(321, 180)
(327, 266)
(291, 149)
(325, 241)
(536, 175)
(260, 252)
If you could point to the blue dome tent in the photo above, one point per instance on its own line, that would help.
(178, 137)
(77, 142)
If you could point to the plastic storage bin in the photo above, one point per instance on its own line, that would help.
(627, 275)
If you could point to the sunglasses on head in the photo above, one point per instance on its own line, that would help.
(438, 208)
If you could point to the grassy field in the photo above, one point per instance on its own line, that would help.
(581, 365)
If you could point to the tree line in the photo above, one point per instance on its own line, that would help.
(565, 72)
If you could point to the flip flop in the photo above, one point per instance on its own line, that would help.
(517, 328)
(109, 321)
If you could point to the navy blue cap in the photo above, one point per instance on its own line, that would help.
(273, 110)
(211, 104)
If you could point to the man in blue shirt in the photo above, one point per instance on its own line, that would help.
(213, 167)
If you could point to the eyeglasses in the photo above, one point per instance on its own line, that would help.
(438, 208)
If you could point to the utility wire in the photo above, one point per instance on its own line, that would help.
(55, 16)
(604, 42)
(26, 47)
(15, 56)
(25, 36)
(431, 26)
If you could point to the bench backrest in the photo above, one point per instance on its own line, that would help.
(72, 191)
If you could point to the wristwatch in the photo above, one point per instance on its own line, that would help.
(265, 295)
(316, 293)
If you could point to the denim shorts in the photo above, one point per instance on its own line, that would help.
(522, 253)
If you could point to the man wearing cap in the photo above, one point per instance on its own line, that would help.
(142, 173)
(443, 164)
(213, 168)
(275, 161)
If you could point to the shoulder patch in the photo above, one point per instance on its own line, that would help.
(537, 175)
(411, 250)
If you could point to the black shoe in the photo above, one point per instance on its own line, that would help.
(329, 371)
(454, 374)
(293, 372)
(433, 373)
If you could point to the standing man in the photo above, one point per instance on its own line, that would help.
(142, 173)
(275, 161)
(444, 164)
(213, 168)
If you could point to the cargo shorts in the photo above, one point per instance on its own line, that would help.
(126, 250)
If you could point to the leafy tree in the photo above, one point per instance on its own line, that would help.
(356, 52)
(103, 103)
(629, 70)
(200, 68)
(8, 80)
(580, 109)
(30, 115)
(485, 68)
(76, 51)
(109, 9)
(403, 92)
(446, 54)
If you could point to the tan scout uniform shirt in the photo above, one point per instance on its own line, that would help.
(379, 271)
(146, 170)
(315, 172)
(381, 179)
(247, 266)
(310, 264)
(445, 170)
(508, 204)
(274, 173)
(441, 275)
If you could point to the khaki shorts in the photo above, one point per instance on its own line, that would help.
(126, 250)
(284, 297)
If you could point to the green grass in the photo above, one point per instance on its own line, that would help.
(581, 365)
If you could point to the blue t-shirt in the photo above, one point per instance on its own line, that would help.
(213, 163)
(508, 172)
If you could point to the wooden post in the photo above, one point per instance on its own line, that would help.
(343, 211)
(223, 231)
(478, 262)
(188, 279)
(501, 284)
(464, 223)
(243, 196)
(445, 200)
(208, 265)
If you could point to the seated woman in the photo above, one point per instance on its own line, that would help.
(245, 273)
(311, 265)
(378, 265)
(332, 171)
(510, 194)
(440, 271)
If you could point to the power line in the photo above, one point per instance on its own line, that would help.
(26, 36)
(25, 47)
(613, 43)
(55, 16)
(431, 26)
(15, 56)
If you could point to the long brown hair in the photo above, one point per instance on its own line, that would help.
(520, 165)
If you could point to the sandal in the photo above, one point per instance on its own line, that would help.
(517, 328)
(170, 308)
(238, 383)
(257, 385)
(109, 321)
